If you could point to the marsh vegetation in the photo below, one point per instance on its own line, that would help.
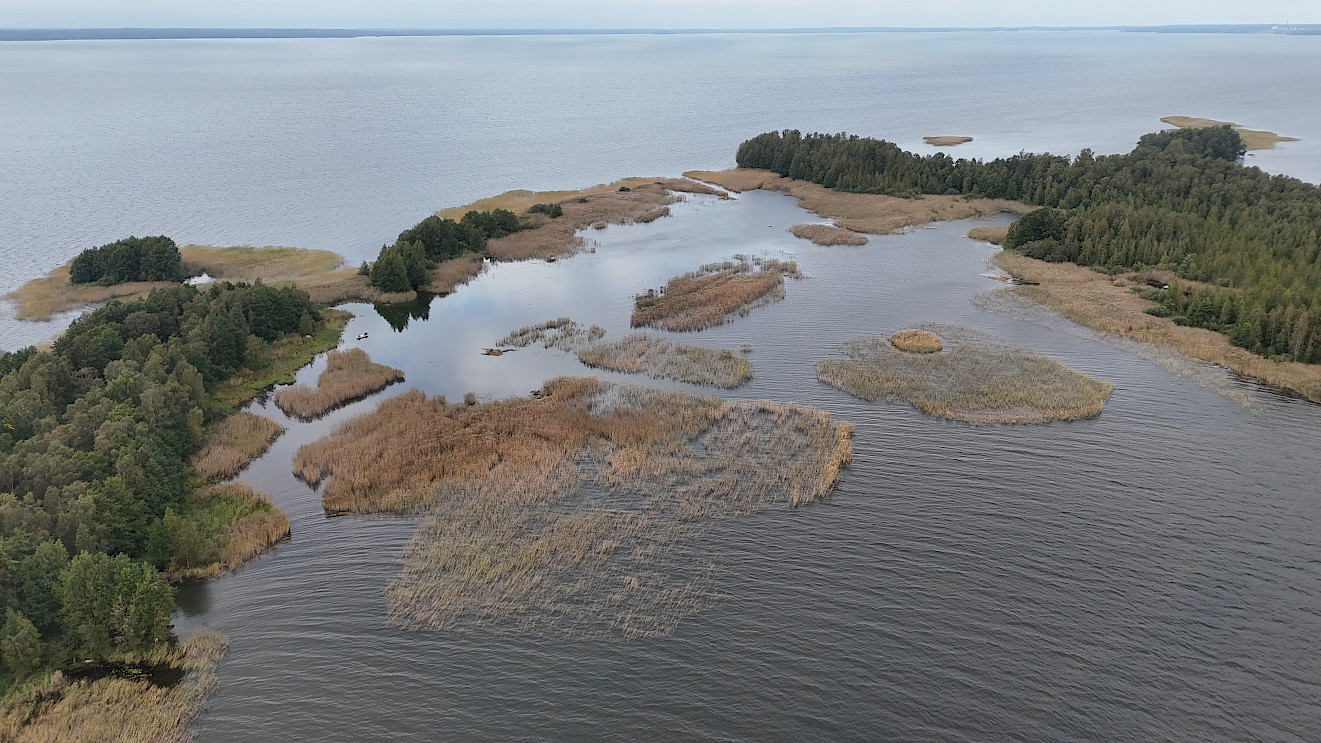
(349, 375)
(945, 140)
(643, 353)
(828, 234)
(916, 341)
(56, 709)
(713, 294)
(976, 378)
(561, 333)
(1253, 139)
(580, 511)
(233, 442)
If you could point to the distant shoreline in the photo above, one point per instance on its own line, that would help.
(108, 34)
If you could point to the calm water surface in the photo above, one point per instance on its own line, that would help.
(1152, 574)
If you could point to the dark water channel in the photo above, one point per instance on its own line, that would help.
(1153, 574)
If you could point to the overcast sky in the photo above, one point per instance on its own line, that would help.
(639, 13)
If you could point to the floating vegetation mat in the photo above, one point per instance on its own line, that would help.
(234, 442)
(583, 511)
(713, 294)
(562, 333)
(350, 375)
(56, 709)
(643, 353)
(975, 378)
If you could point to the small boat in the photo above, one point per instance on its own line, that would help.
(360, 337)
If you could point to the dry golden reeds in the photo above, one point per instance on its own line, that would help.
(975, 379)
(642, 353)
(561, 333)
(993, 235)
(117, 710)
(349, 375)
(946, 140)
(1091, 298)
(579, 511)
(226, 525)
(828, 234)
(42, 298)
(916, 341)
(713, 294)
(1253, 139)
(234, 442)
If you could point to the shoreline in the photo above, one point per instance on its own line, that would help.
(1092, 299)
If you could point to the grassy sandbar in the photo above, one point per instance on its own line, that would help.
(946, 140)
(975, 378)
(1253, 139)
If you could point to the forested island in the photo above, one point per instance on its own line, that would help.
(1243, 244)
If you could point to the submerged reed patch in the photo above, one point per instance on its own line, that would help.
(975, 378)
(57, 710)
(234, 442)
(349, 375)
(643, 353)
(561, 333)
(580, 511)
(713, 294)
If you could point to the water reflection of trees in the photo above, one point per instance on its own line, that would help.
(399, 315)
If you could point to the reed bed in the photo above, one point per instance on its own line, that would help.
(713, 294)
(1090, 298)
(1253, 139)
(117, 710)
(224, 527)
(349, 376)
(580, 512)
(873, 214)
(658, 358)
(828, 234)
(916, 341)
(946, 140)
(234, 442)
(976, 379)
(271, 264)
(993, 235)
(42, 298)
(561, 333)
(451, 274)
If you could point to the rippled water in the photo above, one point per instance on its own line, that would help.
(1148, 575)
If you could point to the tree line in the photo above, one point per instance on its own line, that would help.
(403, 266)
(95, 438)
(1180, 200)
(131, 259)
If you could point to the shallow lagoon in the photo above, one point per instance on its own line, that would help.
(1149, 574)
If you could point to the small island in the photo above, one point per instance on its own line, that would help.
(1253, 139)
(946, 140)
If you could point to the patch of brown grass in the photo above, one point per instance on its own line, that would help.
(916, 341)
(347, 285)
(234, 442)
(349, 375)
(116, 710)
(828, 234)
(451, 274)
(946, 140)
(272, 264)
(230, 524)
(43, 298)
(578, 511)
(713, 294)
(993, 235)
(1090, 298)
(658, 358)
(1253, 139)
(975, 379)
(868, 213)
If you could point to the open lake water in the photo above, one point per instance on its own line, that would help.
(1152, 574)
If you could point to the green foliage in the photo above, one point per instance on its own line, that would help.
(442, 239)
(115, 606)
(20, 645)
(1180, 200)
(130, 259)
(550, 210)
